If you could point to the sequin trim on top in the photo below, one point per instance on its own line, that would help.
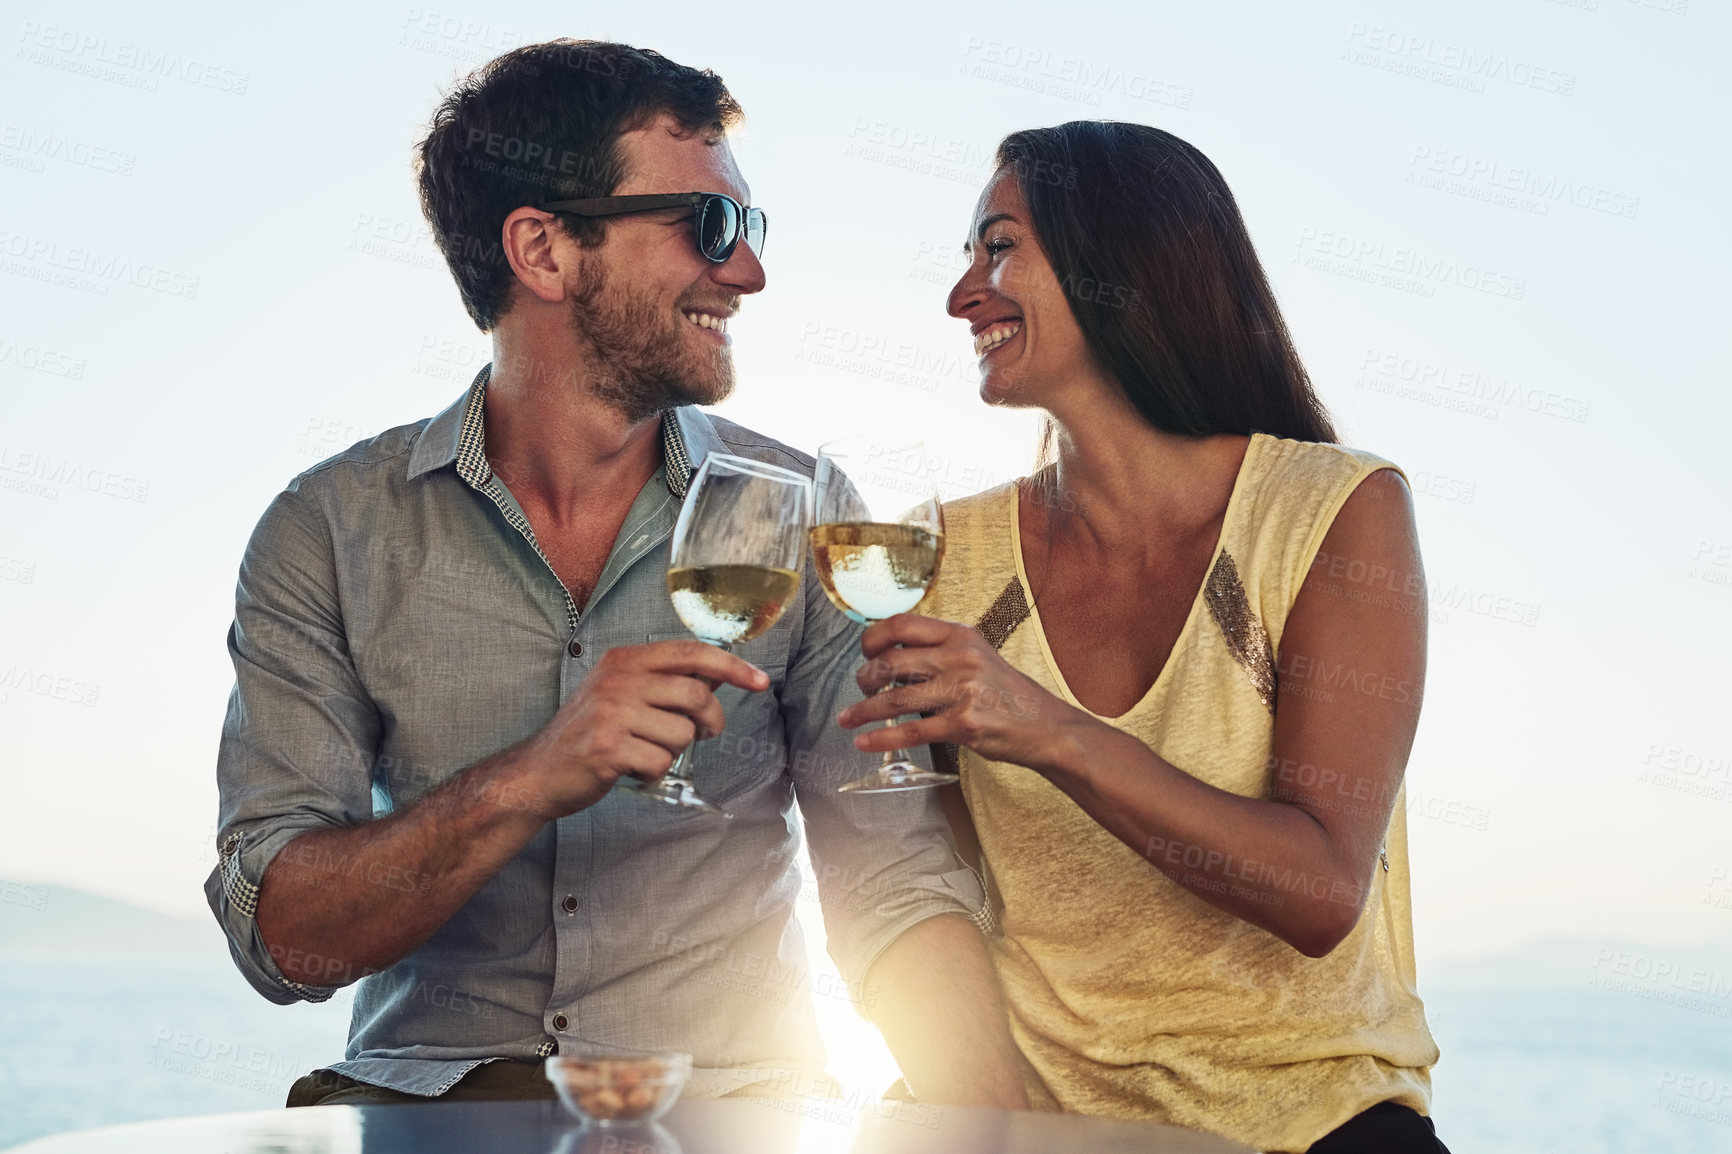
(1007, 611)
(1247, 640)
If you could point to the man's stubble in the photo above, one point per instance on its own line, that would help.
(642, 361)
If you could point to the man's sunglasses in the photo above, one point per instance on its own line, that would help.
(721, 220)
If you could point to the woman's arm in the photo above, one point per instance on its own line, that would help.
(1350, 674)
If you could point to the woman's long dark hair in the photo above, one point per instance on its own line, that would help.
(1154, 258)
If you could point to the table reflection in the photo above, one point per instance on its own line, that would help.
(792, 1126)
(649, 1138)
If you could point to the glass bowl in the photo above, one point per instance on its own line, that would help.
(612, 1089)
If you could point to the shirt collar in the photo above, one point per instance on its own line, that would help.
(458, 436)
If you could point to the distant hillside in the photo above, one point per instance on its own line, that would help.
(40, 918)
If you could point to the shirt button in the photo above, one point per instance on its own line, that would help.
(569, 905)
(575, 648)
(560, 1021)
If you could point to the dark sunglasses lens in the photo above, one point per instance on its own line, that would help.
(718, 228)
(757, 225)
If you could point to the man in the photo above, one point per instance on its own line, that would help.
(452, 640)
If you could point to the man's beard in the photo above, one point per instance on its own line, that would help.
(643, 363)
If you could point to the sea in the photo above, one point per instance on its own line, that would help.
(1622, 1064)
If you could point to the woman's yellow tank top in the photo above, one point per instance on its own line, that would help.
(1129, 995)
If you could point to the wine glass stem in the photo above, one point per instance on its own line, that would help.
(898, 755)
(681, 769)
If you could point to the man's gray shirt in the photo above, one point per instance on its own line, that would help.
(396, 623)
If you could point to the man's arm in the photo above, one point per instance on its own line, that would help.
(328, 910)
(312, 889)
(936, 999)
(322, 911)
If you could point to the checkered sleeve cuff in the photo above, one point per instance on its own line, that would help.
(985, 918)
(307, 993)
(239, 907)
(243, 895)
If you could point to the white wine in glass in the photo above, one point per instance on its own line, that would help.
(733, 567)
(728, 604)
(876, 547)
(871, 571)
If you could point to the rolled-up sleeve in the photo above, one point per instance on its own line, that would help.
(885, 861)
(300, 736)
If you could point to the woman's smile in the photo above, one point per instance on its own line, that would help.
(995, 335)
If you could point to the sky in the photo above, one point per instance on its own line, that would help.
(1497, 231)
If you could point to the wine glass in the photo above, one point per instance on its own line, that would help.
(734, 565)
(877, 541)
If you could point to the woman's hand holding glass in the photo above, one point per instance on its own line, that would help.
(876, 547)
(974, 697)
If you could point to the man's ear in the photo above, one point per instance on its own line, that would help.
(540, 252)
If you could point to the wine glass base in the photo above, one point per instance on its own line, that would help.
(674, 792)
(898, 777)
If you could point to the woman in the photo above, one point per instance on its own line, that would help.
(1187, 674)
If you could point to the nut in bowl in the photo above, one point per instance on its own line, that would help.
(611, 1089)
